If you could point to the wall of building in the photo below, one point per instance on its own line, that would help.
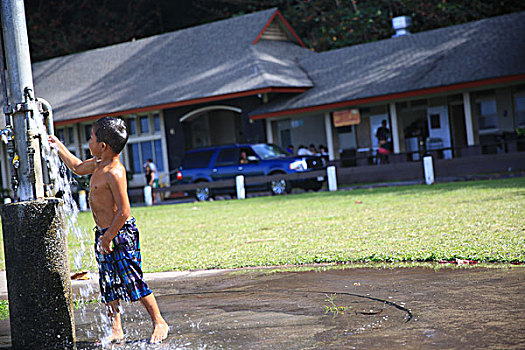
(304, 130)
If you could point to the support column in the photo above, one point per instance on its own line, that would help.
(329, 135)
(468, 119)
(395, 128)
(269, 131)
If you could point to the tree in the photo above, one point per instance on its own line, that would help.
(330, 24)
(59, 27)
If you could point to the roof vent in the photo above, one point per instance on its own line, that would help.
(401, 25)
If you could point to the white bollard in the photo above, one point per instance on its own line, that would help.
(239, 183)
(147, 195)
(332, 178)
(429, 170)
(82, 203)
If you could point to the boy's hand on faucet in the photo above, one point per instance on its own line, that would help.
(52, 139)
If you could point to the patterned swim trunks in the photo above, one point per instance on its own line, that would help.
(120, 271)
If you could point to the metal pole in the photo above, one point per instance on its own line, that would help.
(22, 106)
(35, 246)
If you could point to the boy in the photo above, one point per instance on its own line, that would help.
(119, 263)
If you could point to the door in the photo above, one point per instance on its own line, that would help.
(226, 166)
(251, 168)
(375, 123)
(458, 127)
(439, 130)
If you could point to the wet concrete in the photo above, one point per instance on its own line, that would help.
(363, 308)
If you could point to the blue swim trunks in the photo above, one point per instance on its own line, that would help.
(120, 271)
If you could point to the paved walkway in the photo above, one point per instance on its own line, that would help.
(327, 308)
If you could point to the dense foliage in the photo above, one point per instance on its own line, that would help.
(59, 27)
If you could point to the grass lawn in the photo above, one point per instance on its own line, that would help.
(482, 220)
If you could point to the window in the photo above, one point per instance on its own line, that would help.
(134, 155)
(147, 151)
(197, 159)
(87, 132)
(132, 126)
(265, 151)
(520, 111)
(158, 154)
(61, 134)
(70, 135)
(144, 125)
(139, 152)
(156, 122)
(435, 123)
(228, 156)
(487, 114)
(145, 142)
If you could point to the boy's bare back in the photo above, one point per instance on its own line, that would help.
(105, 180)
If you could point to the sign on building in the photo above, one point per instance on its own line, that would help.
(346, 117)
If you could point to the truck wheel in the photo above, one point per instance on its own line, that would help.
(203, 193)
(280, 187)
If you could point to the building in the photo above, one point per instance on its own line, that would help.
(454, 91)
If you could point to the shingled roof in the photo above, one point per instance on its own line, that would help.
(212, 60)
(486, 51)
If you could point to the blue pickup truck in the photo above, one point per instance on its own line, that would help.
(226, 162)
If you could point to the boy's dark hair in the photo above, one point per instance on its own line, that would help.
(112, 131)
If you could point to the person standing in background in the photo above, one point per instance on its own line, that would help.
(155, 178)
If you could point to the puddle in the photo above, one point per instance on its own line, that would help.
(335, 309)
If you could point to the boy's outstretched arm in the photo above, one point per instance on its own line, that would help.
(75, 164)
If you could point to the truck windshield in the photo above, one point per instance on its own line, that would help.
(265, 151)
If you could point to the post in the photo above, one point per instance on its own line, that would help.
(395, 128)
(37, 266)
(269, 131)
(468, 119)
(429, 170)
(22, 107)
(332, 178)
(38, 278)
(239, 184)
(82, 202)
(148, 199)
(329, 135)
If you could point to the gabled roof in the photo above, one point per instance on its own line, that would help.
(214, 60)
(278, 28)
(458, 57)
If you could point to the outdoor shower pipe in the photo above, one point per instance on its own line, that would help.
(48, 117)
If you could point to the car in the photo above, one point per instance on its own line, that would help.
(204, 165)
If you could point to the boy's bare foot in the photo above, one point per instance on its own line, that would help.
(160, 332)
(114, 338)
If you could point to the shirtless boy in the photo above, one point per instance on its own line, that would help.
(117, 247)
